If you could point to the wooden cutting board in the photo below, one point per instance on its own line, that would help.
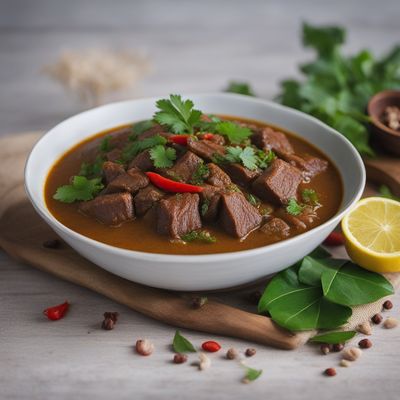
(22, 233)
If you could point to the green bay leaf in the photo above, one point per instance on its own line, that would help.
(334, 337)
(311, 269)
(351, 285)
(181, 345)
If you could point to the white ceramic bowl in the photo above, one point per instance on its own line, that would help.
(199, 272)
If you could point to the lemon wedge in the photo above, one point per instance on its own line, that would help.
(372, 234)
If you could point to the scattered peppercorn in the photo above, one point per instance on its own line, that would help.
(231, 354)
(377, 319)
(198, 302)
(365, 344)
(387, 305)
(325, 348)
(180, 358)
(110, 319)
(250, 352)
(330, 372)
(211, 346)
(254, 297)
(337, 347)
(52, 244)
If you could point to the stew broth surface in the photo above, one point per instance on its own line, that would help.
(140, 234)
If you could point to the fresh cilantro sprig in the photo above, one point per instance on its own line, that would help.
(294, 208)
(137, 146)
(179, 115)
(141, 127)
(235, 133)
(202, 236)
(162, 156)
(94, 169)
(80, 188)
(337, 88)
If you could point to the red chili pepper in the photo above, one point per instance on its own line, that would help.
(172, 186)
(57, 312)
(179, 139)
(211, 346)
(334, 239)
(208, 136)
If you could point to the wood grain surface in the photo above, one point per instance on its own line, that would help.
(194, 46)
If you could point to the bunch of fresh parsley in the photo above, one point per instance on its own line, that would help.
(337, 88)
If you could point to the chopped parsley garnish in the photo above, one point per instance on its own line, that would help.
(240, 88)
(265, 159)
(202, 236)
(162, 156)
(81, 188)
(235, 133)
(253, 200)
(294, 208)
(310, 196)
(141, 127)
(177, 114)
(137, 146)
(200, 174)
(208, 126)
(204, 207)
(105, 145)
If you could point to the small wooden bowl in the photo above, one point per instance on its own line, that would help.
(387, 138)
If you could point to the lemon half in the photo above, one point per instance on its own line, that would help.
(372, 233)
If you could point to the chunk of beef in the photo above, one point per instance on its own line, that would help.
(146, 198)
(240, 174)
(210, 202)
(217, 176)
(205, 148)
(114, 155)
(269, 139)
(119, 138)
(179, 214)
(299, 222)
(111, 171)
(131, 181)
(110, 209)
(310, 166)
(276, 229)
(184, 167)
(142, 161)
(278, 183)
(238, 217)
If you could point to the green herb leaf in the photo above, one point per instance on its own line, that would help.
(200, 174)
(265, 159)
(202, 236)
(105, 145)
(134, 148)
(163, 157)
(334, 337)
(204, 207)
(348, 284)
(142, 126)
(294, 208)
(320, 252)
(235, 133)
(245, 156)
(311, 269)
(386, 192)
(178, 115)
(310, 196)
(253, 200)
(81, 188)
(298, 307)
(181, 344)
(92, 170)
(252, 374)
(240, 88)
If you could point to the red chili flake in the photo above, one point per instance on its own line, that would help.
(57, 312)
(208, 136)
(334, 239)
(211, 346)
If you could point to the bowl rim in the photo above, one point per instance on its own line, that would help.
(196, 258)
(374, 118)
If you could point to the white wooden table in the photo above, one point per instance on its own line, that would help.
(194, 46)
